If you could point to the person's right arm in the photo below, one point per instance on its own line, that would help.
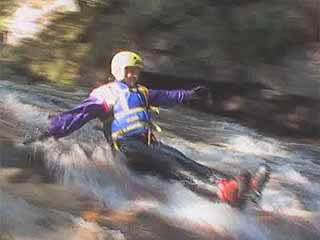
(69, 121)
(98, 105)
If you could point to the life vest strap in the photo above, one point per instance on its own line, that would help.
(134, 126)
(154, 109)
(146, 138)
(128, 112)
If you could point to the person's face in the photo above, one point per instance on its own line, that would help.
(132, 75)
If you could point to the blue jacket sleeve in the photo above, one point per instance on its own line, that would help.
(67, 122)
(169, 97)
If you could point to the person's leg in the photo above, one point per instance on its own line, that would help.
(233, 190)
(259, 181)
(248, 187)
(164, 161)
(208, 182)
(169, 163)
(187, 164)
(146, 160)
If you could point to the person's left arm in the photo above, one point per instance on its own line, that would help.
(172, 97)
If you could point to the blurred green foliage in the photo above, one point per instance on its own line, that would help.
(6, 9)
(95, 3)
(55, 54)
(63, 49)
(188, 38)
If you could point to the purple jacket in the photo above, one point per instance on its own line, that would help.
(99, 107)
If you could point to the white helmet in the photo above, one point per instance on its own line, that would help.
(122, 60)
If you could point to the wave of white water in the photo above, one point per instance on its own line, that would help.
(83, 160)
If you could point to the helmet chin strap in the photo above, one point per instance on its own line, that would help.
(131, 81)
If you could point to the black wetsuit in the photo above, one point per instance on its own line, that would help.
(161, 160)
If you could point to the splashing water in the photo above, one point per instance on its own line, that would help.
(84, 162)
(251, 145)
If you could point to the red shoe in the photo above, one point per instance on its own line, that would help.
(258, 181)
(234, 191)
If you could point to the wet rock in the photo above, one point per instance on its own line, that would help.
(20, 218)
(111, 234)
(241, 49)
(6, 236)
(246, 41)
(8, 175)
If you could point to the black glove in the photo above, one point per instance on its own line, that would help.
(200, 92)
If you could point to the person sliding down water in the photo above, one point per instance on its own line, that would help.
(131, 133)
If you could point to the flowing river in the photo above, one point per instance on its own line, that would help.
(49, 189)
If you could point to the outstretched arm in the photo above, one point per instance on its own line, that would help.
(172, 97)
(169, 97)
(67, 122)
